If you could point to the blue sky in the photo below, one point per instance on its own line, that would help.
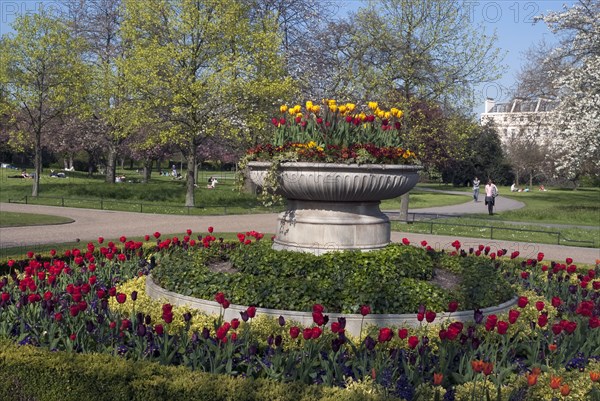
(512, 20)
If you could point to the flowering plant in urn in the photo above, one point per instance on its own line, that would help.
(335, 133)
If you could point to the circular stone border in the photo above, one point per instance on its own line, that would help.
(353, 321)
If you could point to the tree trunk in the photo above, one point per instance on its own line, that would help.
(147, 171)
(111, 163)
(404, 207)
(531, 181)
(37, 163)
(191, 179)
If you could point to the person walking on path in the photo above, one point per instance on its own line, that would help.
(476, 189)
(491, 191)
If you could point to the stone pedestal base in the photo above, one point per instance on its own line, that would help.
(318, 227)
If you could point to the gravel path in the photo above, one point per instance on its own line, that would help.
(90, 223)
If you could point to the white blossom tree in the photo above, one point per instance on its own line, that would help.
(577, 119)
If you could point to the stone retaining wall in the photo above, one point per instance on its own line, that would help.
(353, 321)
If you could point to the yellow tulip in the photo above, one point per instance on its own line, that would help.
(283, 108)
(373, 105)
(399, 114)
(316, 109)
(333, 108)
(298, 115)
(292, 111)
(379, 113)
(309, 105)
(342, 109)
(332, 102)
(350, 107)
(394, 111)
(362, 116)
(387, 115)
(297, 108)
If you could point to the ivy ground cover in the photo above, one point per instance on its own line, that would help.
(92, 300)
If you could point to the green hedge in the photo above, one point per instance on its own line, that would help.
(29, 373)
(391, 280)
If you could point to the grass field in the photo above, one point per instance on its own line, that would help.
(8, 219)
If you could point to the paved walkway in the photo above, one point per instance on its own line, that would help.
(90, 223)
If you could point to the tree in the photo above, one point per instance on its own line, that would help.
(42, 78)
(198, 68)
(98, 23)
(577, 123)
(426, 50)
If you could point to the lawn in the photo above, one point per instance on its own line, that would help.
(9, 219)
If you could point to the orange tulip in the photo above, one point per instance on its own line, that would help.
(536, 371)
(595, 376)
(565, 390)
(531, 379)
(437, 379)
(488, 368)
(555, 382)
(552, 347)
(477, 366)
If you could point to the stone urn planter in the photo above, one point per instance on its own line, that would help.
(335, 207)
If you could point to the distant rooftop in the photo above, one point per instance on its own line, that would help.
(521, 106)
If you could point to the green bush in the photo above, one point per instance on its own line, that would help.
(28, 373)
(393, 280)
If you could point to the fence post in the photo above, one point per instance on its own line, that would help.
(141, 207)
(188, 210)
(101, 203)
(558, 238)
(26, 199)
(491, 232)
(431, 227)
(62, 201)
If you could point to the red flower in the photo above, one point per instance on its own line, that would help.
(437, 379)
(73, 337)
(430, 316)
(557, 329)
(490, 322)
(569, 261)
(413, 341)
(336, 327)
(420, 316)
(159, 329)
(522, 302)
(542, 320)
(514, 254)
(123, 238)
(594, 322)
(556, 302)
(318, 308)
(539, 305)
(405, 241)
(146, 237)
(423, 243)
(241, 237)
(555, 382)
(385, 334)
(226, 304)
(220, 297)
(502, 327)
(30, 254)
(403, 333)
(235, 323)
(294, 332)
(513, 315)
(488, 368)
(365, 310)
(452, 306)
(121, 298)
(251, 311)
(307, 333)
(540, 256)
(100, 240)
(316, 332)
(318, 318)
(524, 275)
(454, 330)
(210, 229)
(58, 316)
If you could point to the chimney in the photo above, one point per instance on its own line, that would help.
(489, 104)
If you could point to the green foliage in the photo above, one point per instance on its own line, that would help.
(32, 373)
(393, 280)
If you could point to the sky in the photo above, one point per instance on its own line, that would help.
(513, 22)
(511, 19)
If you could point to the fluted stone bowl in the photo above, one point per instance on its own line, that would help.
(335, 207)
(334, 182)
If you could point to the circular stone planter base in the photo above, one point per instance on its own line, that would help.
(318, 227)
(354, 322)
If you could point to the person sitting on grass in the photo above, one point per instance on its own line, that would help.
(212, 183)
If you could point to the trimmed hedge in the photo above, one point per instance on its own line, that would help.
(29, 373)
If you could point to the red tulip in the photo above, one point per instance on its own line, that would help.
(365, 310)
(294, 332)
(452, 306)
(413, 341)
(251, 311)
(522, 302)
(121, 298)
(403, 333)
(385, 334)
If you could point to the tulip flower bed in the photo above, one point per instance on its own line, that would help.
(91, 301)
